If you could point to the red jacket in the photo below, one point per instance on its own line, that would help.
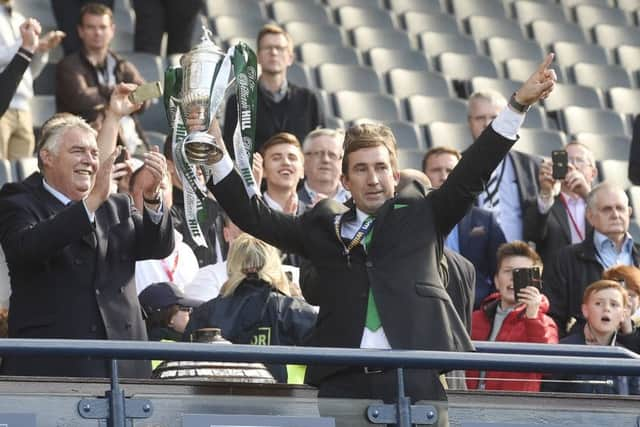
(516, 328)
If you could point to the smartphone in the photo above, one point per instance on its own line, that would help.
(146, 92)
(560, 162)
(523, 277)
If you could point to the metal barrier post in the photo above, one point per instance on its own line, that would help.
(116, 398)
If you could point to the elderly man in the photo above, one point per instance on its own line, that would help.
(513, 184)
(282, 105)
(71, 247)
(556, 222)
(378, 262)
(322, 159)
(574, 267)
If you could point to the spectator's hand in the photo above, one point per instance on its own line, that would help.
(257, 168)
(119, 104)
(122, 172)
(532, 298)
(30, 34)
(626, 325)
(154, 169)
(102, 186)
(545, 178)
(291, 206)
(539, 85)
(576, 182)
(50, 41)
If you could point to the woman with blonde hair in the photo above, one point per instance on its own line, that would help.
(255, 305)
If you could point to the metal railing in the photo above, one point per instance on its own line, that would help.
(521, 357)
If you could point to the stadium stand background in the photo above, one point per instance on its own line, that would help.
(412, 63)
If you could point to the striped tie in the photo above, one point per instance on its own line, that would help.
(493, 193)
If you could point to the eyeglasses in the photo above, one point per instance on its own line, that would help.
(322, 153)
(278, 49)
(579, 161)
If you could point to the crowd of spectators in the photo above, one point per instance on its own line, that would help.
(103, 222)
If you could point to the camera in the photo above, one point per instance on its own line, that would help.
(523, 277)
(560, 161)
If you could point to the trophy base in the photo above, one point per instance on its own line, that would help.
(201, 149)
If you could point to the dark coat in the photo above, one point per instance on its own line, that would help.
(551, 231)
(571, 270)
(479, 236)
(402, 266)
(69, 281)
(257, 313)
(634, 153)
(460, 285)
(11, 77)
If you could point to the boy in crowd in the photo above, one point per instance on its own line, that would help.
(505, 316)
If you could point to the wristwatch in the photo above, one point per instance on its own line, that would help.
(521, 108)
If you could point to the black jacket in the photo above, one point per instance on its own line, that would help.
(298, 113)
(11, 77)
(256, 313)
(571, 270)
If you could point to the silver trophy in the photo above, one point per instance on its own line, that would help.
(200, 69)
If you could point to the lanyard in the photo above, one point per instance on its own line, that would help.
(364, 229)
(170, 271)
(573, 220)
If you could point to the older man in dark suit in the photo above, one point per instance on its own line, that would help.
(71, 247)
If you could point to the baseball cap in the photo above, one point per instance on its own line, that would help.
(162, 295)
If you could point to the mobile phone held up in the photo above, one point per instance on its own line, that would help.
(523, 277)
(560, 164)
(146, 92)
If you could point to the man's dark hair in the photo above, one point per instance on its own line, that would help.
(95, 9)
(436, 151)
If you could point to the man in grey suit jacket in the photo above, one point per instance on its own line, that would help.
(384, 289)
(71, 246)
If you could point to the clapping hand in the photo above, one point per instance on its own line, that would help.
(539, 85)
(119, 104)
(30, 33)
(50, 40)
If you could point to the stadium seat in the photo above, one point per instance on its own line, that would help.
(464, 67)
(154, 118)
(303, 32)
(151, 67)
(433, 44)
(628, 57)
(299, 74)
(334, 4)
(628, 6)
(484, 27)
(124, 20)
(565, 95)
(548, 32)
(410, 158)
(612, 36)
(501, 48)
(314, 54)
(365, 38)
(605, 146)
(578, 119)
(383, 59)
(350, 17)
(535, 118)
(426, 6)
(227, 27)
(568, 54)
(600, 76)
(38, 9)
(42, 108)
(454, 135)
(333, 122)
(245, 8)
(45, 83)
(625, 101)
(588, 15)
(417, 22)
(25, 167)
(122, 42)
(504, 86)
(615, 172)
(464, 8)
(284, 11)
(540, 142)
(634, 200)
(423, 110)
(527, 12)
(570, 5)
(335, 77)
(520, 70)
(6, 174)
(408, 135)
(404, 83)
(351, 106)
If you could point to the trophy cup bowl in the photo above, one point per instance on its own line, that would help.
(199, 67)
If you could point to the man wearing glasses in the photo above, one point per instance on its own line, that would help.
(282, 105)
(558, 218)
(322, 161)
